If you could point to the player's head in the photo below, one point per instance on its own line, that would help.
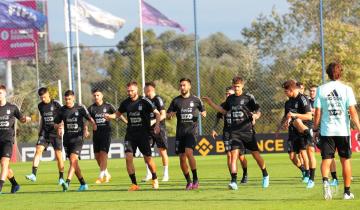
(334, 71)
(301, 87)
(97, 95)
(184, 86)
(229, 91)
(290, 88)
(132, 90)
(2, 92)
(238, 85)
(69, 97)
(149, 89)
(44, 95)
(312, 91)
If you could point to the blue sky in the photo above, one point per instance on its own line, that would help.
(226, 16)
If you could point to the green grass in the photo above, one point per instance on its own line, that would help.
(285, 192)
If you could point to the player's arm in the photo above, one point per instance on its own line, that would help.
(86, 130)
(354, 117)
(22, 118)
(157, 123)
(213, 105)
(88, 117)
(216, 123)
(171, 112)
(305, 117)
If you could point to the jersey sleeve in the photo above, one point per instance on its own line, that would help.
(305, 104)
(317, 102)
(253, 106)
(159, 103)
(111, 109)
(57, 104)
(172, 107)
(201, 106)
(90, 111)
(351, 101)
(17, 113)
(286, 108)
(85, 112)
(122, 107)
(59, 117)
(149, 106)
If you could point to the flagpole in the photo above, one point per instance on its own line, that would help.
(68, 45)
(142, 49)
(197, 62)
(78, 53)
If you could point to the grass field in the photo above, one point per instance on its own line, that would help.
(285, 192)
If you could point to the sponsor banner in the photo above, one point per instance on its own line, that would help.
(17, 43)
(206, 145)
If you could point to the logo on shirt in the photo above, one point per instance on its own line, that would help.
(52, 108)
(104, 110)
(296, 105)
(76, 113)
(140, 107)
(8, 111)
(191, 104)
(242, 102)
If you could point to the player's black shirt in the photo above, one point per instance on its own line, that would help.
(8, 113)
(48, 111)
(138, 114)
(160, 105)
(98, 113)
(240, 108)
(73, 119)
(301, 105)
(226, 117)
(187, 114)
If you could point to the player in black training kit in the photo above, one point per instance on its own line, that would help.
(8, 113)
(297, 119)
(71, 119)
(138, 111)
(48, 109)
(159, 139)
(187, 108)
(244, 111)
(226, 138)
(102, 136)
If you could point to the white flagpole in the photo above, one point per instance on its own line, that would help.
(142, 48)
(78, 53)
(67, 32)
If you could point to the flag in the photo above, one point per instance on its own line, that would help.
(95, 21)
(14, 15)
(152, 16)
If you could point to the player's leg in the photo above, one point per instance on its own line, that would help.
(148, 172)
(130, 148)
(145, 149)
(303, 154)
(57, 145)
(14, 185)
(190, 142)
(243, 162)
(327, 147)
(74, 159)
(4, 170)
(344, 151)
(180, 150)
(233, 167)
(310, 150)
(334, 182)
(40, 147)
(228, 159)
(97, 148)
(104, 164)
(165, 163)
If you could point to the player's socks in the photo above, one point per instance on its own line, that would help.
(312, 173)
(166, 171)
(302, 169)
(61, 175)
(187, 177)
(234, 177)
(244, 172)
(153, 176)
(333, 175)
(68, 182)
(195, 177)
(34, 170)
(1, 184)
(347, 190)
(13, 181)
(264, 172)
(82, 181)
(133, 178)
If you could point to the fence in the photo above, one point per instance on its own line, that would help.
(273, 49)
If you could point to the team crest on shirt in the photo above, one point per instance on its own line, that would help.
(104, 110)
(76, 113)
(242, 102)
(140, 107)
(296, 106)
(191, 104)
(52, 108)
(8, 111)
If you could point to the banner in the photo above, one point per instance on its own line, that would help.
(14, 42)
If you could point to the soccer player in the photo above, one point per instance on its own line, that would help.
(70, 120)
(187, 108)
(102, 135)
(8, 113)
(333, 104)
(48, 109)
(244, 111)
(226, 138)
(138, 130)
(297, 119)
(161, 138)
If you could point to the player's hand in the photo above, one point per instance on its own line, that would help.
(152, 122)
(107, 117)
(290, 115)
(206, 99)
(170, 115)
(86, 134)
(214, 134)
(203, 114)
(60, 131)
(315, 138)
(94, 127)
(157, 129)
(27, 119)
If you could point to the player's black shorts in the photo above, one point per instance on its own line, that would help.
(185, 141)
(139, 140)
(49, 138)
(73, 146)
(6, 148)
(245, 139)
(160, 139)
(226, 140)
(329, 144)
(101, 141)
(296, 143)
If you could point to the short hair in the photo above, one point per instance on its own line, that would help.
(2, 87)
(314, 86)
(299, 84)
(132, 83)
(94, 90)
(237, 80)
(185, 79)
(289, 85)
(42, 91)
(69, 93)
(151, 83)
(334, 70)
(228, 88)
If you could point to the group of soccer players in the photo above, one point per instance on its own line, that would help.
(65, 126)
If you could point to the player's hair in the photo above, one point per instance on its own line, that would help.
(69, 93)
(313, 86)
(151, 83)
(237, 80)
(299, 84)
(185, 79)
(42, 91)
(289, 85)
(228, 88)
(94, 90)
(334, 70)
(132, 83)
(2, 87)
